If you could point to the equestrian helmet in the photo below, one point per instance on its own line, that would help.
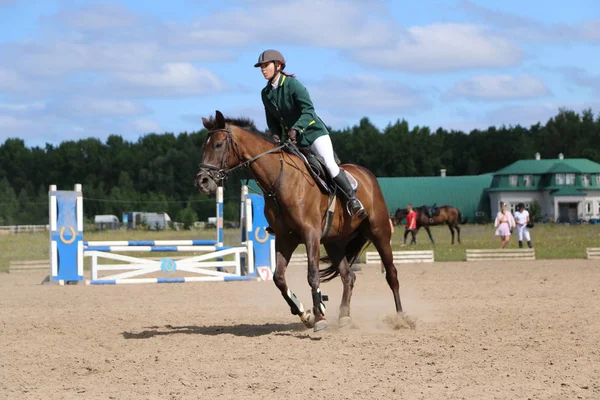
(269, 56)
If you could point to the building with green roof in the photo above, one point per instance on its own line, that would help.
(565, 188)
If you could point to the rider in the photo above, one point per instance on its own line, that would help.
(290, 112)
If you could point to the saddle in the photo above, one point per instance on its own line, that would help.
(432, 211)
(316, 167)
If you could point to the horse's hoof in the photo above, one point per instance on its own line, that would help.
(308, 319)
(320, 325)
(344, 321)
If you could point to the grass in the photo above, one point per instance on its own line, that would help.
(551, 241)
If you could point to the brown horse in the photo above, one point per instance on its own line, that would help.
(295, 208)
(448, 215)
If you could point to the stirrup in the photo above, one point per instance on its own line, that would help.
(355, 211)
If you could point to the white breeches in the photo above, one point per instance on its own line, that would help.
(323, 148)
(523, 231)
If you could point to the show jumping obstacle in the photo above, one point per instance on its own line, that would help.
(252, 259)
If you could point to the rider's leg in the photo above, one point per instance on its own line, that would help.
(322, 147)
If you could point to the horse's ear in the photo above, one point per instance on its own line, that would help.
(207, 124)
(220, 120)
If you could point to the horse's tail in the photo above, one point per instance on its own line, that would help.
(353, 250)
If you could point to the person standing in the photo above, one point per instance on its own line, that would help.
(522, 219)
(504, 223)
(411, 225)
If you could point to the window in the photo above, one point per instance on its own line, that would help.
(560, 179)
(528, 180)
(588, 207)
(513, 179)
(597, 179)
(570, 179)
(586, 179)
(512, 208)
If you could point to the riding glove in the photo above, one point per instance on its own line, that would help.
(292, 135)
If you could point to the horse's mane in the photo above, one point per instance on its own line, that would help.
(246, 124)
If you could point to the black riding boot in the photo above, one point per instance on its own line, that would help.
(529, 244)
(354, 206)
(520, 244)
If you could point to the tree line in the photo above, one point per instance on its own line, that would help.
(156, 172)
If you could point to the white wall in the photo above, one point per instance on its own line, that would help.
(514, 198)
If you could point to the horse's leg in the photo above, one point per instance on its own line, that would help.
(451, 232)
(337, 255)
(284, 247)
(457, 227)
(382, 244)
(429, 233)
(312, 253)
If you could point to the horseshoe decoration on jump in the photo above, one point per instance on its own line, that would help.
(258, 238)
(62, 235)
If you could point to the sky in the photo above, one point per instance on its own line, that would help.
(72, 69)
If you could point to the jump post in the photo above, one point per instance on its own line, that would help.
(253, 258)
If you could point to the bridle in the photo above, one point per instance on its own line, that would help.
(220, 172)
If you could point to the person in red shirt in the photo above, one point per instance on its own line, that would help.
(411, 225)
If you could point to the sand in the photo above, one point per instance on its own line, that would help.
(491, 330)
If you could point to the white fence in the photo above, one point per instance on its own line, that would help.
(593, 253)
(24, 228)
(500, 254)
(402, 257)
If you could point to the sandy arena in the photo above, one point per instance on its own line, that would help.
(482, 331)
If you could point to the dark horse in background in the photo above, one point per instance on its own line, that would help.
(295, 208)
(447, 215)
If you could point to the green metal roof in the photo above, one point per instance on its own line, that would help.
(568, 191)
(567, 165)
(467, 193)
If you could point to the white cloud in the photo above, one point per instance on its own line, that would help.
(443, 47)
(582, 78)
(95, 17)
(518, 114)
(12, 126)
(365, 94)
(522, 114)
(529, 29)
(330, 24)
(590, 30)
(144, 126)
(499, 87)
(96, 107)
(10, 80)
(173, 79)
(22, 108)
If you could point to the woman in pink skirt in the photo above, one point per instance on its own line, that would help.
(504, 224)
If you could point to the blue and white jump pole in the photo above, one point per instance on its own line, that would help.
(253, 259)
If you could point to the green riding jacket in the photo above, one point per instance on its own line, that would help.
(289, 107)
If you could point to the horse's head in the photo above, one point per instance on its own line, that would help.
(399, 215)
(218, 155)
